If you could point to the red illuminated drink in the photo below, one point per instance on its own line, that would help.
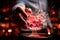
(34, 23)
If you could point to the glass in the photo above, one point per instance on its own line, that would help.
(31, 19)
(35, 22)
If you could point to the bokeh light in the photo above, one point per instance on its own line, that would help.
(3, 30)
(5, 10)
(9, 30)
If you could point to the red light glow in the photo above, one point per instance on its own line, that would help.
(5, 9)
(53, 12)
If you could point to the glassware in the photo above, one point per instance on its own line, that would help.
(35, 23)
(39, 22)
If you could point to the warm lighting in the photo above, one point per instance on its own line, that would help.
(53, 12)
(6, 18)
(54, 19)
(13, 24)
(5, 9)
(17, 30)
(3, 25)
(7, 25)
(3, 30)
(48, 31)
(6, 34)
(54, 27)
(58, 26)
(9, 30)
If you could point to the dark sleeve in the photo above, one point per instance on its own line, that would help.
(20, 11)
